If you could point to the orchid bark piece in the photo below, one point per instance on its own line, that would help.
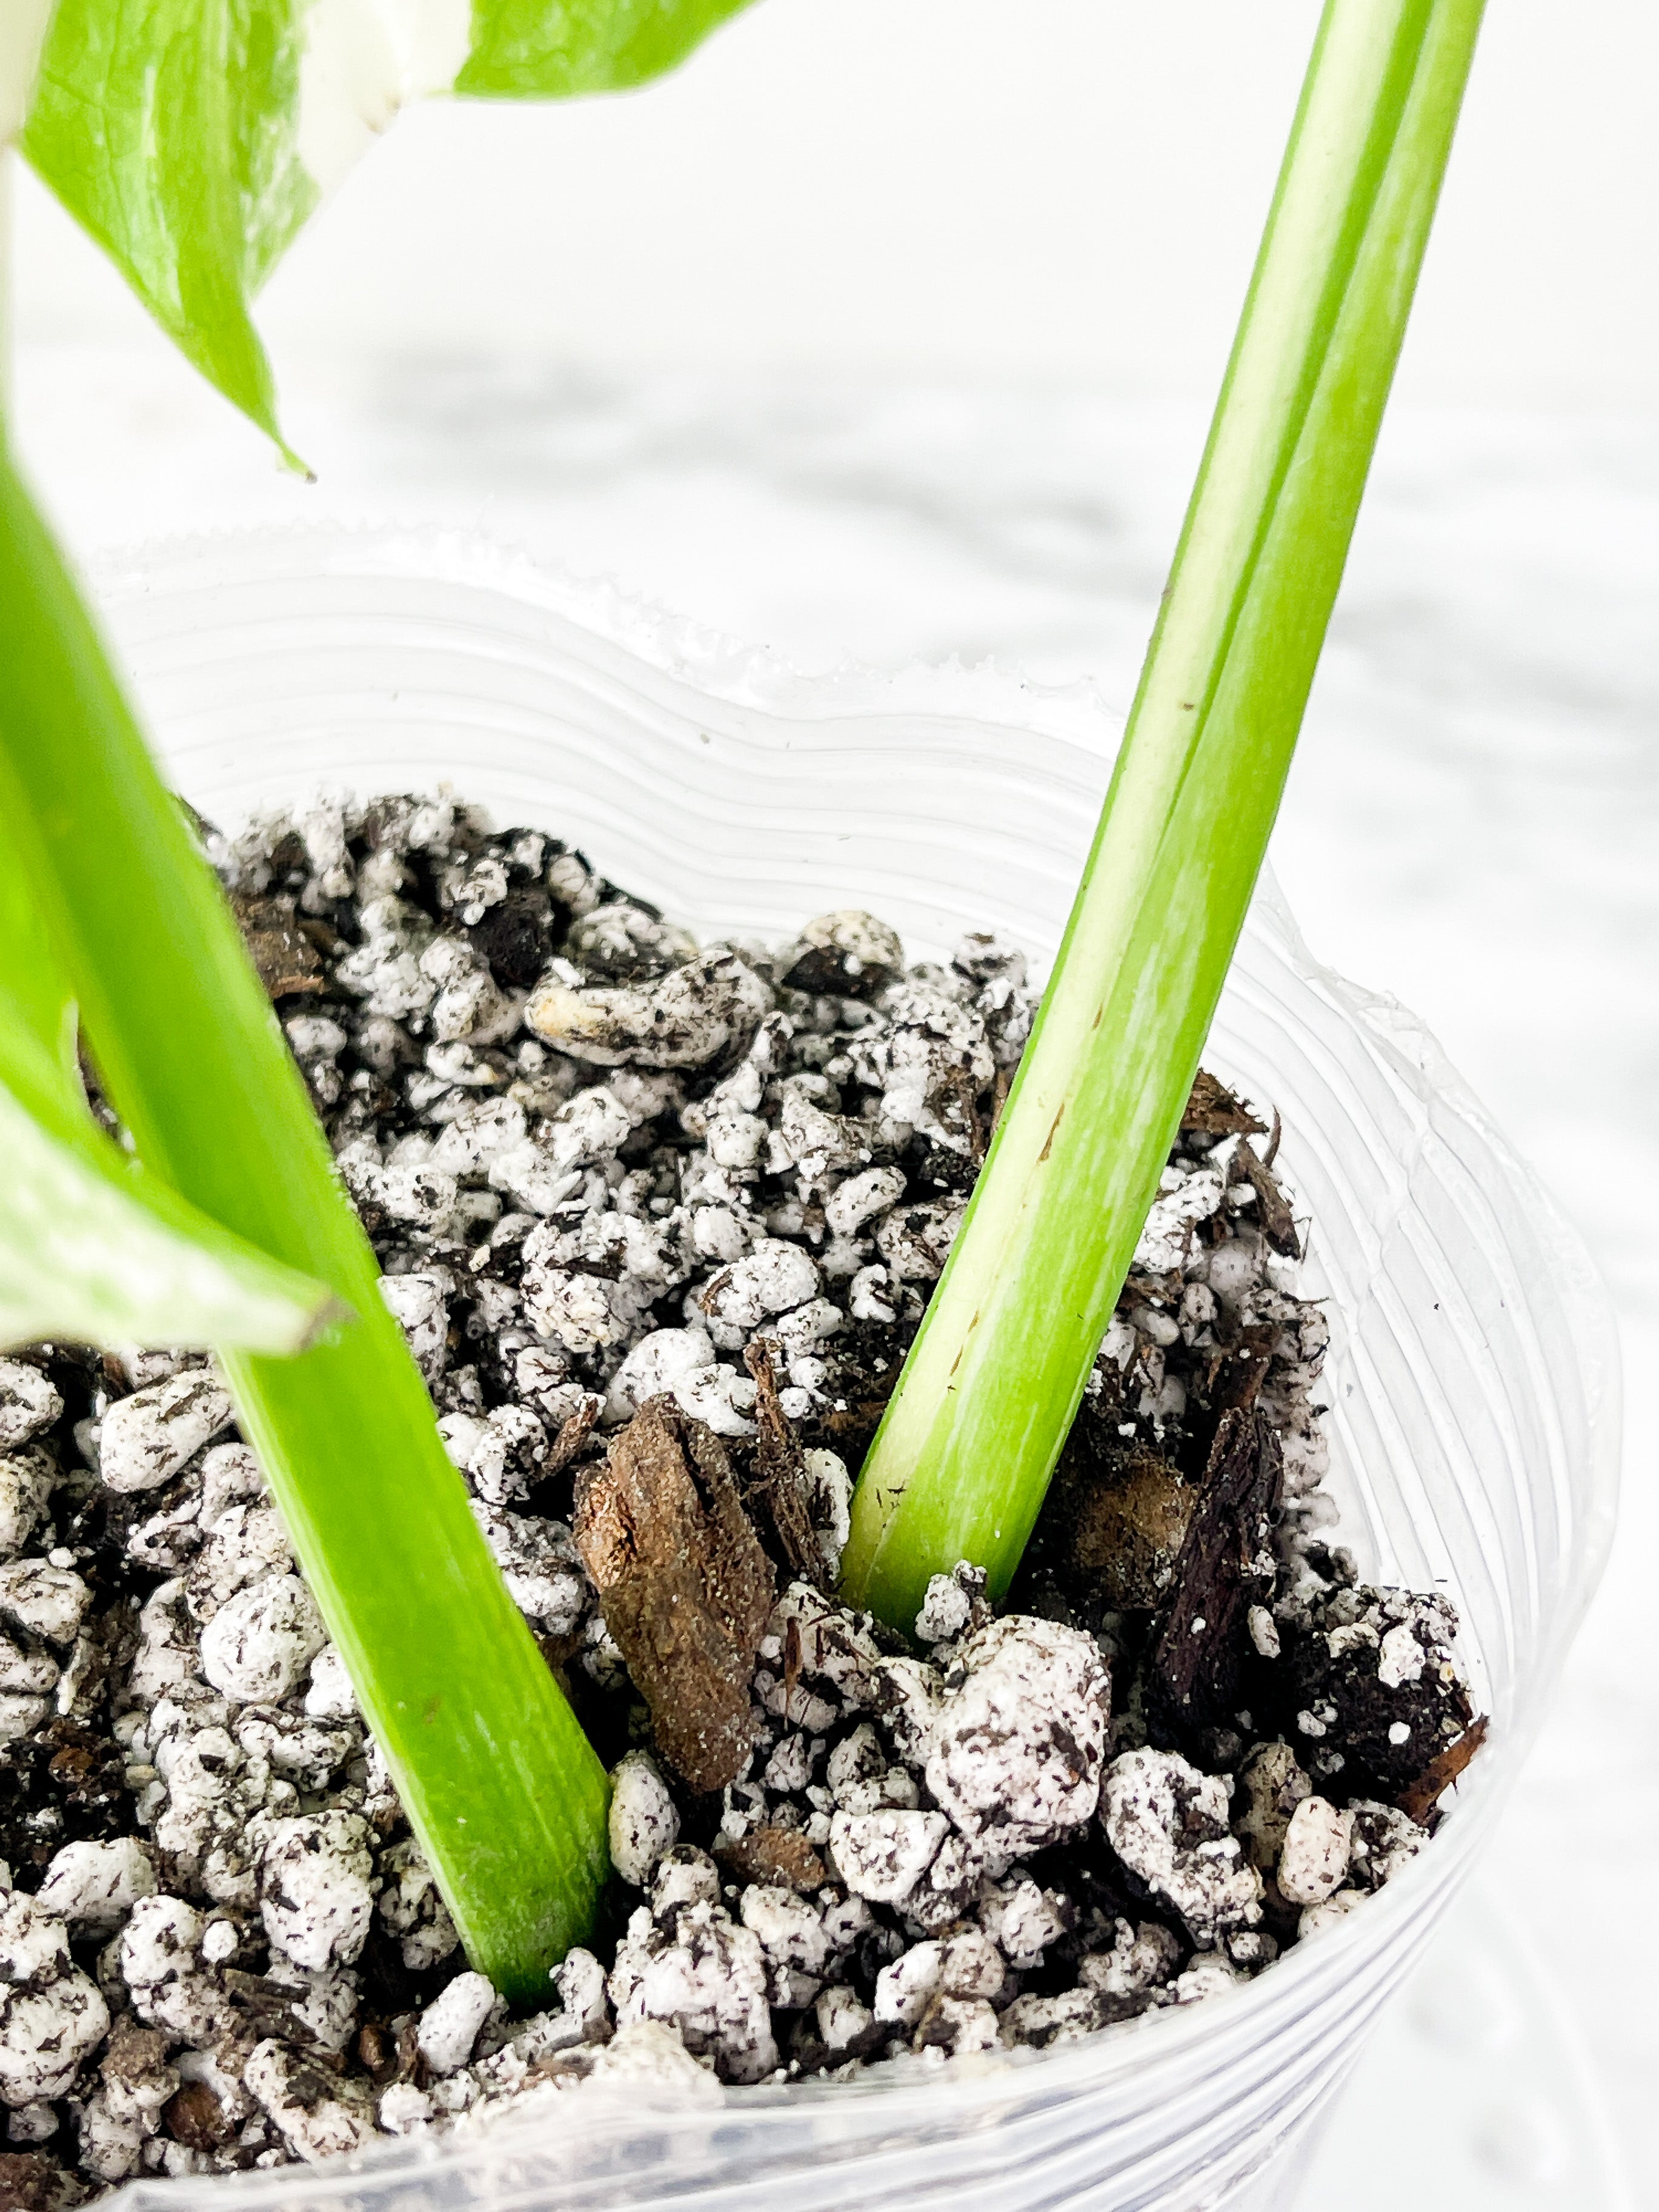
(963, 1459)
(505, 1795)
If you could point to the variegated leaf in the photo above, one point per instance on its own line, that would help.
(192, 138)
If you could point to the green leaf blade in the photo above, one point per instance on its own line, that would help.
(168, 128)
(533, 50)
(178, 132)
(506, 1797)
(961, 1464)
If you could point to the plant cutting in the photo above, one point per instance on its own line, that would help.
(528, 1129)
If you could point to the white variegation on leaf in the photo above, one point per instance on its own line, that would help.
(363, 60)
(22, 27)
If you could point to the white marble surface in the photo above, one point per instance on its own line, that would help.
(1473, 823)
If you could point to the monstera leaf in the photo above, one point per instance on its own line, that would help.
(192, 138)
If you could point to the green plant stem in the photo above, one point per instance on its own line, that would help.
(503, 1792)
(960, 1466)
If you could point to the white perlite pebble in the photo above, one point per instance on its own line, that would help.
(647, 2050)
(792, 1934)
(158, 1957)
(644, 1820)
(1264, 1630)
(97, 1885)
(21, 1712)
(883, 1856)
(47, 1600)
(684, 1020)
(28, 1403)
(419, 1307)
(1314, 1856)
(1168, 1823)
(34, 1946)
(144, 1440)
(708, 1977)
(830, 1505)
(316, 2114)
(1272, 1784)
(404, 2110)
(1174, 1215)
(906, 1988)
(160, 1953)
(1024, 1924)
(220, 1942)
(1207, 1975)
(581, 1983)
(960, 2025)
(26, 1481)
(246, 1543)
(1330, 1912)
(843, 2019)
(1383, 1840)
(52, 2016)
(330, 1695)
(413, 1909)
(256, 1647)
(449, 2025)
(775, 1276)
(972, 1965)
(680, 1364)
(945, 1611)
(1140, 1958)
(1014, 1756)
(1399, 1658)
(314, 1894)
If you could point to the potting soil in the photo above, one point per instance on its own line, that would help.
(658, 1221)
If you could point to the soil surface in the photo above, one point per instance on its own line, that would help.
(659, 1220)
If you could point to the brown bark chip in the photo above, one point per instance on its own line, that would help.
(1273, 1209)
(1226, 1566)
(571, 1442)
(685, 1588)
(780, 1481)
(30, 2181)
(1419, 1802)
(195, 2118)
(1237, 1372)
(1213, 1111)
(780, 1856)
(132, 2055)
(1126, 1517)
(285, 957)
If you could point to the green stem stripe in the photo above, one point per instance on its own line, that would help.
(508, 1799)
(960, 1466)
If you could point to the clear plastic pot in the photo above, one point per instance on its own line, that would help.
(1473, 1374)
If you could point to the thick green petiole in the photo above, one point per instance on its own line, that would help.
(503, 1791)
(960, 1466)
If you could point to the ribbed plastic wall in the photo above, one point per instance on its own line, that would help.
(1472, 1380)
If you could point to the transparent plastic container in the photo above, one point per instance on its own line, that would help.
(1472, 1373)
